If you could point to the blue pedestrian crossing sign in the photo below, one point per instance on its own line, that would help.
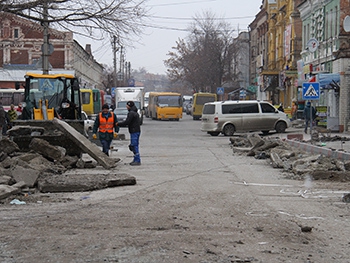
(311, 91)
(220, 91)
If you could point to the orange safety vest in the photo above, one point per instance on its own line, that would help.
(106, 125)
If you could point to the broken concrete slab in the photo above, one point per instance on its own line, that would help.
(5, 179)
(255, 140)
(28, 175)
(3, 156)
(21, 130)
(82, 182)
(7, 146)
(83, 143)
(276, 160)
(7, 190)
(262, 147)
(283, 153)
(46, 149)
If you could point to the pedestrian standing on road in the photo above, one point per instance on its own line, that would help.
(309, 115)
(19, 110)
(12, 113)
(133, 123)
(294, 110)
(2, 119)
(106, 124)
(280, 108)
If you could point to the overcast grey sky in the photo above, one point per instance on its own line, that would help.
(169, 21)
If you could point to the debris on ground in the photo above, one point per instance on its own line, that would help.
(43, 167)
(294, 162)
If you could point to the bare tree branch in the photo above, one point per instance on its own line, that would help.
(205, 58)
(93, 18)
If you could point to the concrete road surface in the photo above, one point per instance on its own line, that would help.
(194, 201)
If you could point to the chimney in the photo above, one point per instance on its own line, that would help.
(88, 49)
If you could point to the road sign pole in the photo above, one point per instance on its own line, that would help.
(311, 121)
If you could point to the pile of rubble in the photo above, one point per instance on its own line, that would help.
(296, 163)
(44, 167)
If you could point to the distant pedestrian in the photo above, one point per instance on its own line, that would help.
(7, 125)
(106, 124)
(280, 108)
(309, 115)
(2, 119)
(294, 110)
(19, 111)
(133, 123)
(12, 113)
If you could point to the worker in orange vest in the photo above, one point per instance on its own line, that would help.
(105, 123)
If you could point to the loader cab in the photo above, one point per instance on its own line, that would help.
(51, 95)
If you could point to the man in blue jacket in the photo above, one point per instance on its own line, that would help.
(133, 123)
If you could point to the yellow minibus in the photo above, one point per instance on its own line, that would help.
(165, 106)
(199, 99)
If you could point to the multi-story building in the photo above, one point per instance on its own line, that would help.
(21, 43)
(258, 51)
(284, 49)
(326, 57)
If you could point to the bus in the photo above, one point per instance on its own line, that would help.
(165, 106)
(91, 101)
(199, 99)
(11, 96)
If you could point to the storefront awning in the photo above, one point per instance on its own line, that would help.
(325, 79)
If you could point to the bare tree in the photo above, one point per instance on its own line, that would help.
(204, 59)
(93, 18)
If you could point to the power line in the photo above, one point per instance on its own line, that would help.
(183, 3)
(185, 18)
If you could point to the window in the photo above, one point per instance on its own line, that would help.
(209, 109)
(85, 97)
(201, 100)
(267, 108)
(240, 108)
(169, 101)
(231, 109)
(250, 108)
(16, 33)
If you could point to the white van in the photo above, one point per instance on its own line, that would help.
(228, 117)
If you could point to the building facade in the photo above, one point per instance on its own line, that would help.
(326, 57)
(21, 49)
(259, 51)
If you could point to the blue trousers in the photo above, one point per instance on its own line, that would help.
(134, 143)
(307, 124)
(106, 145)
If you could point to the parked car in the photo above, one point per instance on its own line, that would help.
(88, 123)
(228, 117)
(186, 99)
(121, 113)
(188, 108)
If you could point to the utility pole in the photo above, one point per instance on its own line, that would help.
(115, 50)
(121, 69)
(45, 49)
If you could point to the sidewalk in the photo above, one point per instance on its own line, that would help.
(337, 145)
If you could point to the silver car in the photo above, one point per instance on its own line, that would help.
(228, 117)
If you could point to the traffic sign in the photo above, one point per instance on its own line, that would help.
(220, 91)
(311, 91)
(131, 82)
(113, 91)
(242, 94)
